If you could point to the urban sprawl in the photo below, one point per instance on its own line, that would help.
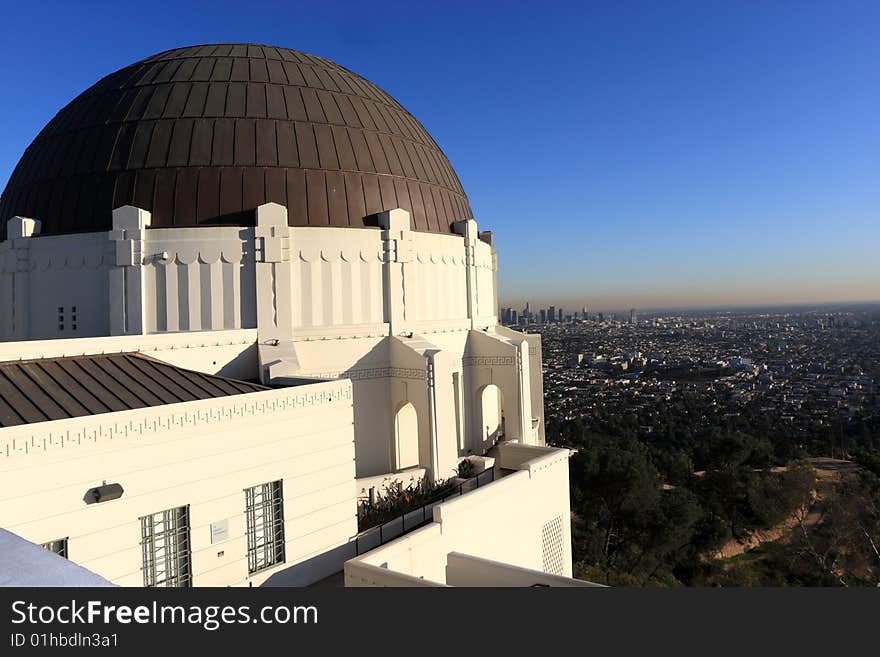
(804, 371)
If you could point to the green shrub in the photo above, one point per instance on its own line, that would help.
(399, 500)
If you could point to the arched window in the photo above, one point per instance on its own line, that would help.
(406, 437)
(491, 422)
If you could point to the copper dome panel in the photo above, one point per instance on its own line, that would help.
(203, 135)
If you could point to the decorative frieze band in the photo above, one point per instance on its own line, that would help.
(371, 373)
(479, 361)
(91, 429)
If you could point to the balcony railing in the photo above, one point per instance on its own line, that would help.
(372, 538)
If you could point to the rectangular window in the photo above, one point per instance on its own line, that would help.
(166, 548)
(264, 511)
(58, 546)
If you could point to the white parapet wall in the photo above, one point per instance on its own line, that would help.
(200, 454)
(323, 281)
(226, 353)
(521, 519)
(467, 570)
(379, 485)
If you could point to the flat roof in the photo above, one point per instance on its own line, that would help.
(48, 389)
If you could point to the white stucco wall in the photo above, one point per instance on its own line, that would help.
(406, 317)
(206, 282)
(522, 519)
(337, 277)
(467, 570)
(202, 454)
(40, 275)
(137, 279)
(227, 353)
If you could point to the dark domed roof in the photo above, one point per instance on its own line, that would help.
(203, 135)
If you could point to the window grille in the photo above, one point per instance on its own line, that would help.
(264, 510)
(58, 546)
(165, 543)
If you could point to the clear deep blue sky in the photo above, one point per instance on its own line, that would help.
(624, 153)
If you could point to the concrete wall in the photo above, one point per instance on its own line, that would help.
(436, 281)
(39, 276)
(484, 263)
(199, 279)
(202, 454)
(406, 317)
(369, 575)
(138, 280)
(380, 484)
(442, 373)
(522, 519)
(337, 277)
(227, 353)
(467, 570)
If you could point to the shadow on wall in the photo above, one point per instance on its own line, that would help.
(313, 570)
(244, 367)
(489, 400)
(372, 412)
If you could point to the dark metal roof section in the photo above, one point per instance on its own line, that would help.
(203, 135)
(60, 388)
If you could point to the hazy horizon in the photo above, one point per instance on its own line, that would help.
(573, 304)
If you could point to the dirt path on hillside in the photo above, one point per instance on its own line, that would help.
(829, 473)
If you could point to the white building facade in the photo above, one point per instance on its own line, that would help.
(373, 354)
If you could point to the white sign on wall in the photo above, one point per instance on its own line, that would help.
(219, 531)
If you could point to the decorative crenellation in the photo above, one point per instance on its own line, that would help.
(91, 429)
(55, 260)
(206, 255)
(444, 258)
(315, 253)
(96, 256)
(477, 361)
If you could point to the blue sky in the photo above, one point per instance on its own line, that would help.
(624, 153)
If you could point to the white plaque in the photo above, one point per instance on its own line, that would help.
(219, 531)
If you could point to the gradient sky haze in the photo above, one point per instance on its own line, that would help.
(625, 153)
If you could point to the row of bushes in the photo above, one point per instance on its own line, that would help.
(399, 500)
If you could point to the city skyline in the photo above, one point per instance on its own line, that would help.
(527, 313)
(609, 304)
(624, 156)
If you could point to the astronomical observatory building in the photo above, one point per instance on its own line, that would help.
(242, 295)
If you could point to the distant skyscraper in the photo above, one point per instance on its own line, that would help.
(551, 314)
(543, 314)
(561, 316)
(632, 316)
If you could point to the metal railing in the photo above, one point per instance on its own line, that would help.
(371, 538)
